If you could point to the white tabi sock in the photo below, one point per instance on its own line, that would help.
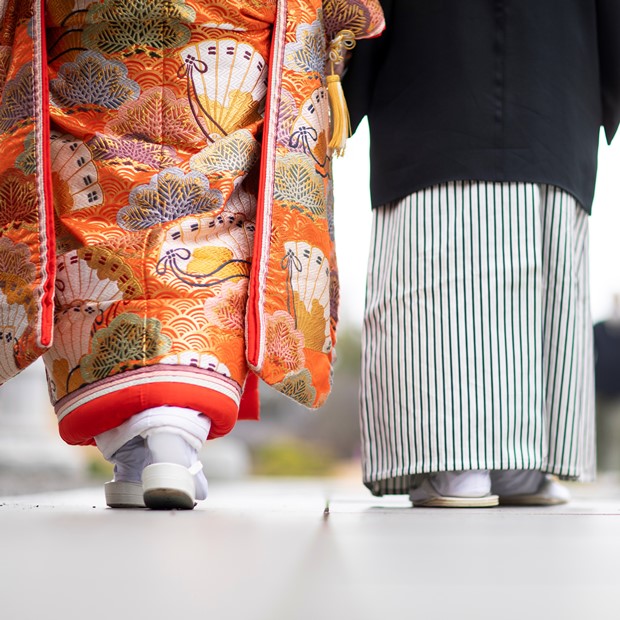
(474, 483)
(516, 481)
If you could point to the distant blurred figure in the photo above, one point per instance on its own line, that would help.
(607, 353)
(484, 118)
(607, 374)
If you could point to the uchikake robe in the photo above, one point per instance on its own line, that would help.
(143, 347)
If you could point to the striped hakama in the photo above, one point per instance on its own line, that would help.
(477, 335)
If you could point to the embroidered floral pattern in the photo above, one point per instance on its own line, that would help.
(138, 25)
(170, 195)
(307, 52)
(18, 206)
(27, 161)
(285, 344)
(298, 386)
(16, 271)
(233, 155)
(94, 80)
(17, 100)
(228, 308)
(298, 186)
(129, 341)
(157, 116)
(363, 18)
(5, 59)
(132, 152)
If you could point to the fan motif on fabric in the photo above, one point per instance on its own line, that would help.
(308, 299)
(226, 85)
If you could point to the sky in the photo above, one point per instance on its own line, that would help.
(353, 222)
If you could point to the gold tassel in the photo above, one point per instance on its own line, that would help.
(341, 123)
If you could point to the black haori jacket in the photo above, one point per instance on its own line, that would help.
(491, 90)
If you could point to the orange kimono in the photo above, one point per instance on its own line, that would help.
(165, 202)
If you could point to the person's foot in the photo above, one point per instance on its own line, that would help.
(155, 456)
(457, 489)
(523, 487)
(160, 472)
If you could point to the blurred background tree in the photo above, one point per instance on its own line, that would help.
(320, 439)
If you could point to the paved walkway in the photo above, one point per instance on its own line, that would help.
(268, 550)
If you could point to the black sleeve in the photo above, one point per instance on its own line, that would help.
(608, 12)
(363, 69)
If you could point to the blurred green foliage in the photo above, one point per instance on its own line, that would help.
(348, 352)
(289, 457)
(98, 468)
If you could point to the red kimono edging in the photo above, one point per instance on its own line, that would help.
(87, 421)
(48, 243)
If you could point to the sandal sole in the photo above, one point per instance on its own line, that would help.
(121, 494)
(458, 502)
(167, 486)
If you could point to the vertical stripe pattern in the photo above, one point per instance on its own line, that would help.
(477, 335)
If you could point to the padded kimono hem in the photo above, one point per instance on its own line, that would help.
(106, 404)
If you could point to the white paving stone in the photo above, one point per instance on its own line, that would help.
(268, 550)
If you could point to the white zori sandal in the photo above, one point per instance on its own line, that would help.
(174, 477)
(453, 489)
(166, 486)
(528, 488)
(159, 467)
